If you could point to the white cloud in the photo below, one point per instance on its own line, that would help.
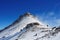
(51, 13)
(58, 21)
(49, 19)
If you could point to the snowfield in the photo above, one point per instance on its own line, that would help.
(28, 27)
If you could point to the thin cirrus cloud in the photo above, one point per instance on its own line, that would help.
(57, 21)
(50, 19)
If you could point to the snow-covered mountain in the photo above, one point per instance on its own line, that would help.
(28, 27)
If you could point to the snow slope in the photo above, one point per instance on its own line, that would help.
(28, 27)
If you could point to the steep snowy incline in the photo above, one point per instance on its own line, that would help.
(28, 27)
(35, 33)
(32, 32)
(15, 29)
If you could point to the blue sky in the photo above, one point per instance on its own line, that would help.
(48, 11)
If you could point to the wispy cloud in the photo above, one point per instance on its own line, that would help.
(50, 19)
(51, 13)
(57, 21)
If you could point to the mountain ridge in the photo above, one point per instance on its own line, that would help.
(18, 19)
(27, 27)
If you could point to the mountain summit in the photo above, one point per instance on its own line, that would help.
(28, 27)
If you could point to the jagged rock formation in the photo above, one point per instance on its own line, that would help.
(27, 27)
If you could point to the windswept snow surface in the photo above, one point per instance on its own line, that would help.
(29, 28)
